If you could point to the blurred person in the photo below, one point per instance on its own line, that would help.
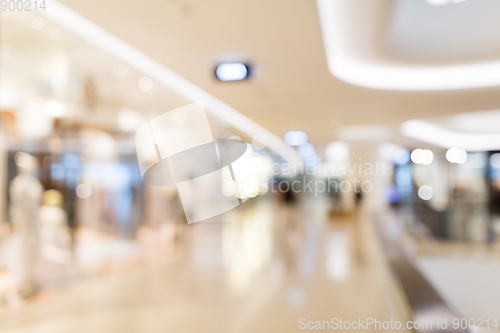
(358, 197)
(288, 227)
(53, 269)
(335, 198)
(25, 198)
(358, 226)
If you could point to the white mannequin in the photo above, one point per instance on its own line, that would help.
(25, 198)
(55, 242)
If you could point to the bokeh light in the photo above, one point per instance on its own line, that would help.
(425, 192)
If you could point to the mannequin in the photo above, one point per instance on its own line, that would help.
(55, 242)
(25, 198)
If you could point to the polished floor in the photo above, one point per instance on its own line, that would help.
(264, 269)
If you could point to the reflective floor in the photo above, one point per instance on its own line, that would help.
(262, 270)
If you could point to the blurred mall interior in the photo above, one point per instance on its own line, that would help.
(249, 166)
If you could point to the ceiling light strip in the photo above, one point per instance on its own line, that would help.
(97, 36)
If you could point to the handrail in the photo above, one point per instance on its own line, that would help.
(425, 302)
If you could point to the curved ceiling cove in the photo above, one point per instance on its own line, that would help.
(371, 43)
(475, 131)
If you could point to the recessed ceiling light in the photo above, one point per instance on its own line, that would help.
(235, 71)
(296, 138)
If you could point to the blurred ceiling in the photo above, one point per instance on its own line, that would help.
(292, 88)
(412, 44)
(39, 61)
